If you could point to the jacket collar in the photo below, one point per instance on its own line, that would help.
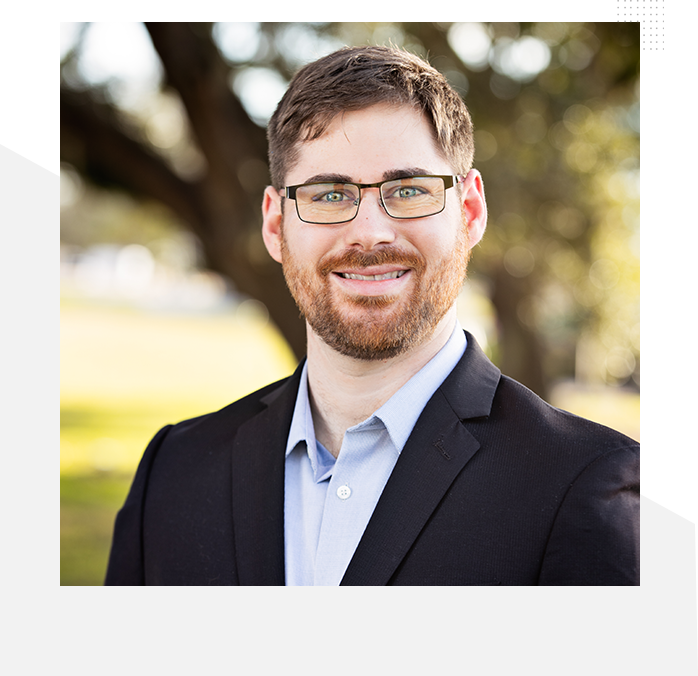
(471, 386)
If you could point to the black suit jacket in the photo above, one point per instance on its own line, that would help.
(494, 487)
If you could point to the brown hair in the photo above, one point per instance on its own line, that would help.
(354, 78)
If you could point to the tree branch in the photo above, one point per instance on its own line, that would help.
(96, 143)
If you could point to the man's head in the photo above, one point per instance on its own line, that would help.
(381, 278)
(354, 78)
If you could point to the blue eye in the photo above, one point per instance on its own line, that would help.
(332, 197)
(332, 194)
(407, 192)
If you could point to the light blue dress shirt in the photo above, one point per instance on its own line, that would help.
(328, 502)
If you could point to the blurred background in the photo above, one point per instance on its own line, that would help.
(170, 305)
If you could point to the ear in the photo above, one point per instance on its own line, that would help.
(474, 206)
(271, 224)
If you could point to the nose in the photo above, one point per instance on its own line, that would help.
(372, 226)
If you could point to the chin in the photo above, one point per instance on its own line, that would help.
(379, 327)
(367, 347)
(373, 331)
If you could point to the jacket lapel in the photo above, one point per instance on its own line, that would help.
(436, 452)
(258, 488)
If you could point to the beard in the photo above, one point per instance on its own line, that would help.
(376, 327)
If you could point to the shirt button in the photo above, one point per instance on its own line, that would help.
(343, 492)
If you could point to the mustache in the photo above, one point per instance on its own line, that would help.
(356, 258)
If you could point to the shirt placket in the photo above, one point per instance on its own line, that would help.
(347, 507)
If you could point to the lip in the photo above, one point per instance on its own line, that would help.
(372, 287)
(373, 271)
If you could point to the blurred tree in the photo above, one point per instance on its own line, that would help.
(222, 204)
(555, 107)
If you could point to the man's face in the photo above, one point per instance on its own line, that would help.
(375, 286)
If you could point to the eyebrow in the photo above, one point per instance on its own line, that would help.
(389, 175)
(405, 173)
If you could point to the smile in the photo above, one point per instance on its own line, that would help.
(373, 278)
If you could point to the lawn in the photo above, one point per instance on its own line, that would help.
(125, 373)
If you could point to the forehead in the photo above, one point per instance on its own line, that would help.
(367, 143)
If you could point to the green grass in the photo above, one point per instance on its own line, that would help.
(89, 503)
(125, 374)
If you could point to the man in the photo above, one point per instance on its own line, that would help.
(397, 453)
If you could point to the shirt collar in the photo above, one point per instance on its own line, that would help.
(302, 428)
(399, 414)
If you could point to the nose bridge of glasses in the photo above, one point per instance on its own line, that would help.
(369, 186)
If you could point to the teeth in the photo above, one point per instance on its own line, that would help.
(374, 278)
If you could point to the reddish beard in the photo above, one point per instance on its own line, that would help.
(388, 325)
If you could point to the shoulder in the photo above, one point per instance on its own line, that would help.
(526, 441)
(516, 405)
(226, 421)
(505, 414)
(199, 449)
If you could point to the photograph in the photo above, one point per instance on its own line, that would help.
(350, 303)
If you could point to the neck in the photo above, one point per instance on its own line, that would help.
(345, 391)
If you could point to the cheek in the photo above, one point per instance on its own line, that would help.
(304, 245)
(439, 244)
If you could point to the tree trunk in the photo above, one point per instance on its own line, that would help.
(521, 352)
(224, 213)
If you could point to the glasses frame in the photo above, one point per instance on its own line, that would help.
(449, 181)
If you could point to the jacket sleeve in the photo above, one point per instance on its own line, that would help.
(125, 566)
(595, 539)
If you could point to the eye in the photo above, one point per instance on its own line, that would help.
(408, 191)
(333, 194)
(332, 197)
(405, 192)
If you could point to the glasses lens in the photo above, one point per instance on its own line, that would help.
(414, 197)
(327, 202)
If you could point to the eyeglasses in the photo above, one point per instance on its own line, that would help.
(409, 197)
